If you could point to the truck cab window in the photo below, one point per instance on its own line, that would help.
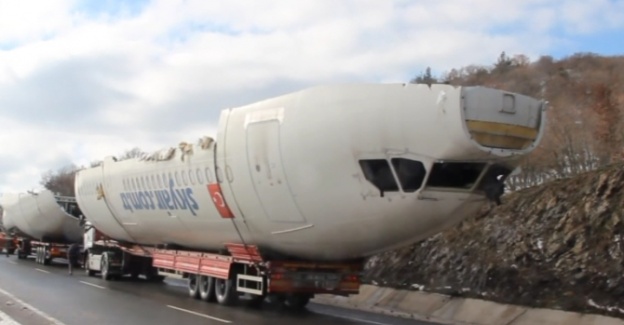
(411, 173)
(378, 172)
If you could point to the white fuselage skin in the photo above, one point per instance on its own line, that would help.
(39, 216)
(288, 170)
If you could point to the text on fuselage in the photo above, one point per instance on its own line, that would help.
(169, 199)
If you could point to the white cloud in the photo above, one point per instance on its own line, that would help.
(27, 20)
(77, 84)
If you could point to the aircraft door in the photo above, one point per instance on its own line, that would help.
(267, 172)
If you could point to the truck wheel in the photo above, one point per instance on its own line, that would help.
(193, 286)
(225, 291)
(39, 255)
(297, 301)
(105, 267)
(206, 288)
(87, 267)
(45, 258)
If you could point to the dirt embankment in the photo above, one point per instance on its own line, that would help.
(559, 245)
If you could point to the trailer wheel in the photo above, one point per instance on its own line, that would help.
(193, 286)
(105, 267)
(297, 301)
(206, 288)
(39, 255)
(45, 259)
(87, 267)
(225, 291)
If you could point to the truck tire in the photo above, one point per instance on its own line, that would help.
(193, 286)
(39, 255)
(87, 268)
(105, 267)
(297, 302)
(206, 288)
(46, 258)
(225, 291)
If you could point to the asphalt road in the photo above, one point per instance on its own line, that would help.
(29, 290)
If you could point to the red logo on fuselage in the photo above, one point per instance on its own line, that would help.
(219, 201)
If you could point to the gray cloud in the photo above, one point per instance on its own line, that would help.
(202, 108)
(65, 93)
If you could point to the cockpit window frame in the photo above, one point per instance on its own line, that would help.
(367, 167)
(404, 179)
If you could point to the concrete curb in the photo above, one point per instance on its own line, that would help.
(461, 311)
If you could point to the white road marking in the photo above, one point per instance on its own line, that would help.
(44, 271)
(12, 262)
(92, 284)
(51, 319)
(361, 320)
(7, 320)
(198, 314)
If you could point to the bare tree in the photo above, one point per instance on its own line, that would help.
(60, 182)
(424, 78)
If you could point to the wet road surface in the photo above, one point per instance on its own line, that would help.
(80, 299)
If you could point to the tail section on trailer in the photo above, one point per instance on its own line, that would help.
(42, 224)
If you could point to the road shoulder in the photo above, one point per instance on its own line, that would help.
(14, 311)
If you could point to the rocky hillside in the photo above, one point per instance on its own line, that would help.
(559, 245)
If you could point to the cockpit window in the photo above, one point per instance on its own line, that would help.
(455, 174)
(411, 173)
(378, 172)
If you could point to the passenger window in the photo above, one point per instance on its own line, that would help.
(191, 176)
(200, 176)
(378, 172)
(184, 178)
(177, 178)
(411, 173)
(455, 174)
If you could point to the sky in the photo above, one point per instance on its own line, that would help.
(81, 80)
